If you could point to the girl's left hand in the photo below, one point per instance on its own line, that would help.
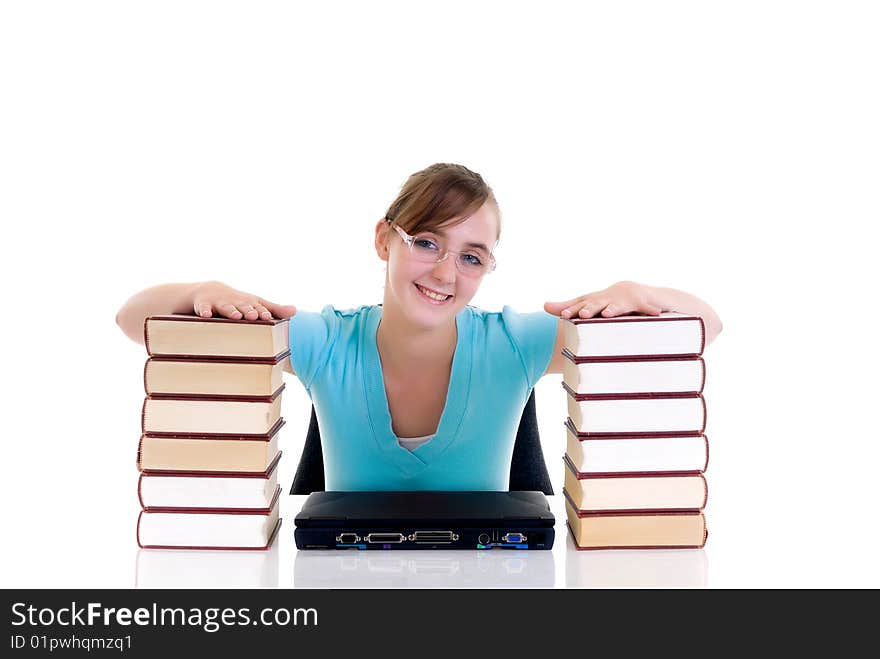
(618, 299)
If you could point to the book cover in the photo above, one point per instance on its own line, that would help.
(654, 530)
(634, 492)
(634, 454)
(635, 336)
(209, 528)
(205, 377)
(184, 336)
(636, 414)
(217, 415)
(208, 452)
(202, 490)
(584, 375)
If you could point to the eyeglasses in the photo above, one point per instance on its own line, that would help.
(426, 249)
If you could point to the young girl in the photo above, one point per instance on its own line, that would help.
(422, 391)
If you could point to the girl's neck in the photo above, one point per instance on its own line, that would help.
(402, 344)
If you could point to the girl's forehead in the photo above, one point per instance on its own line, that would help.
(481, 228)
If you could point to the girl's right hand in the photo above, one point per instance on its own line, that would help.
(214, 297)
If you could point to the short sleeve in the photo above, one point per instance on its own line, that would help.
(311, 338)
(533, 336)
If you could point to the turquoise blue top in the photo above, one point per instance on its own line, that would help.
(499, 356)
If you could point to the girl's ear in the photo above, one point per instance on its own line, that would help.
(381, 240)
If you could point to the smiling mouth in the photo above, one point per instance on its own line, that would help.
(432, 296)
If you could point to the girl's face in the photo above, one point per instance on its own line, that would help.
(415, 286)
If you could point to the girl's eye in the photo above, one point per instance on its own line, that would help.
(471, 259)
(424, 243)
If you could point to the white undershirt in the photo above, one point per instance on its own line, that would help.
(410, 443)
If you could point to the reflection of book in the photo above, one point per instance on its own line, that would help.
(669, 334)
(634, 568)
(207, 377)
(634, 492)
(633, 414)
(187, 489)
(636, 454)
(217, 528)
(179, 415)
(208, 452)
(180, 335)
(187, 568)
(584, 375)
(635, 530)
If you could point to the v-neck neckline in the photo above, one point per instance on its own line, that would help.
(412, 462)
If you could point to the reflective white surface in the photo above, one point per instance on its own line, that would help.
(284, 566)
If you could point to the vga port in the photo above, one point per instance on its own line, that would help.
(348, 538)
(514, 538)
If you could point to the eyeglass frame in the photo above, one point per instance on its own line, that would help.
(408, 240)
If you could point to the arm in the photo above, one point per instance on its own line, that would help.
(200, 298)
(629, 297)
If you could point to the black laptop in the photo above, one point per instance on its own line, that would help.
(425, 520)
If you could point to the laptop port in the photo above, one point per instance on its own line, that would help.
(385, 538)
(515, 538)
(429, 537)
(348, 538)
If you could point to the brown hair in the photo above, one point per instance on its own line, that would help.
(432, 197)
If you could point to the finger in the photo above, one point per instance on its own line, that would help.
(589, 308)
(280, 310)
(615, 309)
(247, 310)
(619, 308)
(557, 308)
(263, 312)
(203, 309)
(229, 310)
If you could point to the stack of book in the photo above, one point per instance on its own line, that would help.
(208, 454)
(636, 452)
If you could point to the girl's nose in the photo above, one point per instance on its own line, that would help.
(445, 270)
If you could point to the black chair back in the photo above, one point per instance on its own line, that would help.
(528, 471)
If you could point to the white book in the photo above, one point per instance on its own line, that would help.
(668, 415)
(638, 454)
(669, 333)
(241, 490)
(215, 529)
(584, 376)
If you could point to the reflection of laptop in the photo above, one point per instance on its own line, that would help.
(424, 520)
(424, 569)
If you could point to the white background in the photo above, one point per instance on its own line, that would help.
(726, 149)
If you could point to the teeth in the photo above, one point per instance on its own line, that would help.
(431, 294)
